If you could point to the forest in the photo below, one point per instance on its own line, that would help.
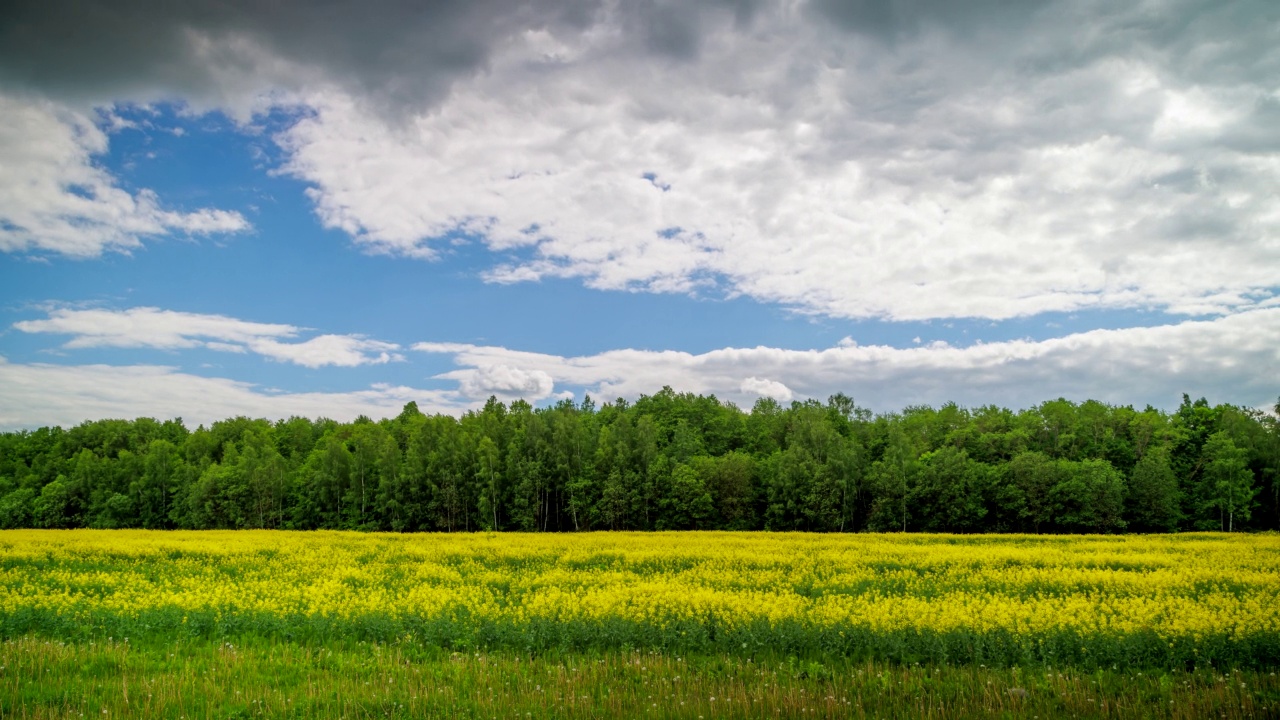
(667, 461)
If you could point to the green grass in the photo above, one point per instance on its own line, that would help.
(200, 678)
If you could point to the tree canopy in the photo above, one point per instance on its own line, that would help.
(668, 461)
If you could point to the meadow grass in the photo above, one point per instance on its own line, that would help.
(40, 678)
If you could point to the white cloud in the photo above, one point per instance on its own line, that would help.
(148, 327)
(932, 176)
(340, 350)
(506, 382)
(767, 388)
(34, 395)
(54, 198)
(926, 160)
(151, 327)
(1231, 359)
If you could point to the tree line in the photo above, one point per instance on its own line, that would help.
(668, 461)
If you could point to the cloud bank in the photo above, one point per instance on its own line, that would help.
(1231, 359)
(903, 160)
(1080, 158)
(35, 395)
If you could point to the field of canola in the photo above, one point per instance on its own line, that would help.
(1141, 601)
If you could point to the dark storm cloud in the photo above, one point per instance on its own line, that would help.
(889, 19)
(403, 52)
(396, 52)
(400, 51)
(668, 29)
(675, 29)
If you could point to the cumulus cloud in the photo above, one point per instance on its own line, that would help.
(54, 198)
(34, 395)
(766, 388)
(148, 327)
(909, 167)
(1230, 359)
(504, 381)
(905, 160)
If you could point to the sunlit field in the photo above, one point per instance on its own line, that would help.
(788, 623)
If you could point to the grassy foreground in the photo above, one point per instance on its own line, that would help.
(196, 679)
(280, 624)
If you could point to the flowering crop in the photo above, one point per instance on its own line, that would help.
(1148, 600)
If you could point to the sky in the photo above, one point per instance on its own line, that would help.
(227, 207)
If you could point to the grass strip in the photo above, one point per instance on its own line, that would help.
(204, 678)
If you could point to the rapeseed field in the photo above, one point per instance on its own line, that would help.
(1171, 601)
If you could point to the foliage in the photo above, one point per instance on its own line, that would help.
(669, 460)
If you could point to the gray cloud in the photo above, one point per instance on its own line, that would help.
(893, 19)
(976, 170)
(396, 52)
(901, 159)
(412, 52)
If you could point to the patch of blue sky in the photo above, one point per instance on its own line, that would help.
(288, 269)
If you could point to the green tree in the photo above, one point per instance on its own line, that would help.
(17, 508)
(570, 441)
(890, 478)
(1154, 502)
(155, 489)
(687, 505)
(364, 445)
(54, 508)
(1088, 497)
(489, 473)
(731, 481)
(947, 492)
(1029, 479)
(1228, 481)
(322, 485)
(613, 507)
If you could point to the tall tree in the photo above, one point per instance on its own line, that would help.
(154, 490)
(1154, 502)
(891, 475)
(489, 473)
(1228, 481)
(1088, 497)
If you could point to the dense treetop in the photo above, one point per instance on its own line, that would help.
(666, 461)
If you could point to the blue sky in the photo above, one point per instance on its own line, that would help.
(771, 201)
